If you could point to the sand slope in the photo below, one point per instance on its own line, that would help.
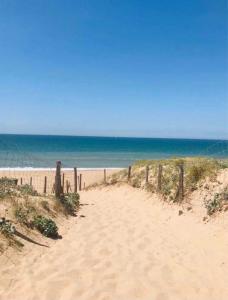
(128, 246)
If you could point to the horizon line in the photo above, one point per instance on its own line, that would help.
(123, 137)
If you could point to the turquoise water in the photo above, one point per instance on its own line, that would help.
(93, 152)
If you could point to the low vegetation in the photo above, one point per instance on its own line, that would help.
(70, 202)
(46, 226)
(217, 203)
(27, 211)
(27, 189)
(197, 170)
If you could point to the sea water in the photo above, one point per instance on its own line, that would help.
(42, 151)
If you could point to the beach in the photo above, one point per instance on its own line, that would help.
(124, 245)
(36, 176)
(113, 150)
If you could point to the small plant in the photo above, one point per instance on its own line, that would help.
(8, 181)
(70, 202)
(135, 182)
(46, 226)
(225, 194)
(213, 205)
(27, 189)
(113, 179)
(6, 228)
(7, 187)
(22, 214)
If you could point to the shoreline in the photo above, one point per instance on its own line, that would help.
(21, 169)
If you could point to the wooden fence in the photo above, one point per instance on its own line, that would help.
(59, 183)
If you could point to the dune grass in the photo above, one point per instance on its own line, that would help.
(196, 170)
(22, 207)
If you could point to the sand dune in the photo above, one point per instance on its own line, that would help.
(127, 246)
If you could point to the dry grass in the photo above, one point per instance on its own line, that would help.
(196, 170)
(22, 205)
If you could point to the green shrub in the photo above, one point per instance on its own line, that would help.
(8, 181)
(7, 187)
(70, 202)
(27, 189)
(213, 205)
(6, 227)
(21, 214)
(46, 226)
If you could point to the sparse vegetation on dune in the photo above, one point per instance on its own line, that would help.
(197, 170)
(218, 202)
(21, 207)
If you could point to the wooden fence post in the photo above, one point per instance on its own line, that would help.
(53, 189)
(75, 180)
(129, 173)
(159, 186)
(67, 187)
(45, 184)
(30, 183)
(180, 190)
(104, 176)
(147, 174)
(58, 188)
(63, 182)
(80, 182)
(21, 181)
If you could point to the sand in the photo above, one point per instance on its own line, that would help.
(129, 245)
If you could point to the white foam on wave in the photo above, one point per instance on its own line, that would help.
(53, 169)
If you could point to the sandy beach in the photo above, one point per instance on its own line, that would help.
(89, 176)
(125, 244)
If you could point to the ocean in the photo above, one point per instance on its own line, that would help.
(42, 151)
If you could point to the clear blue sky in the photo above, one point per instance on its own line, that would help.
(115, 68)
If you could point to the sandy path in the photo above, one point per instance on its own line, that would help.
(127, 247)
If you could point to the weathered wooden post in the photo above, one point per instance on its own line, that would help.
(67, 186)
(30, 183)
(180, 191)
(84, 185)
(58, 188)
(80, 182)
(75, 180)
(147, 174)
(53, 189)
(159, 183)
(21, 181)
(63, 182)
(129, 173)
(45, 184)
(104, 176)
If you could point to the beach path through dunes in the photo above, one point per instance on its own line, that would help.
(125, 245)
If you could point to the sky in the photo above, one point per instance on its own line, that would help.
(114, 68)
